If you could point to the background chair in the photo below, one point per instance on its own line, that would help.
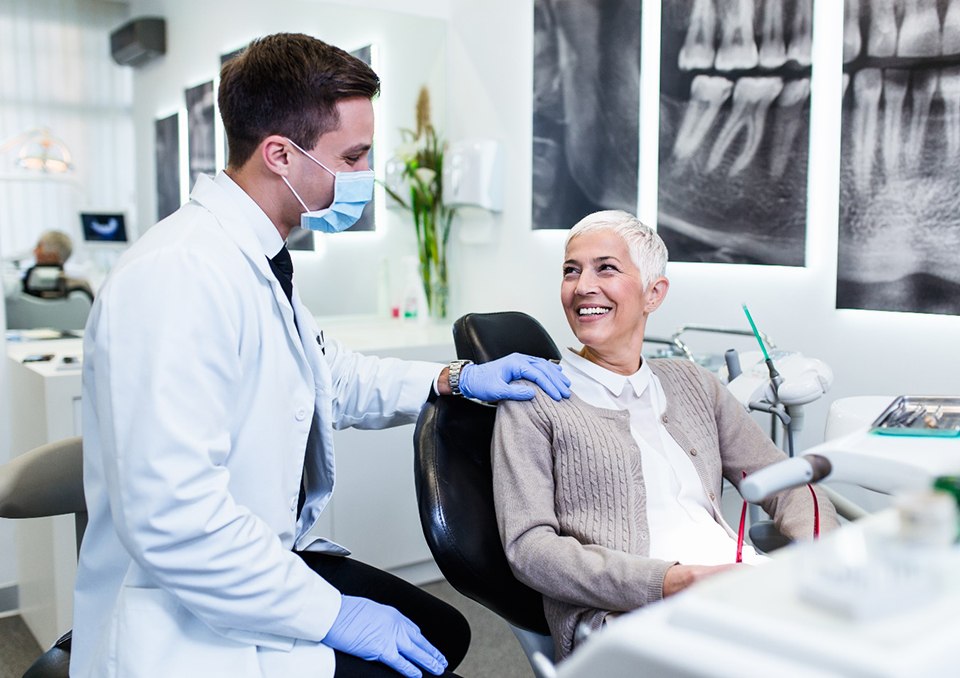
(47, 481)
(25, 311)
(455, 486)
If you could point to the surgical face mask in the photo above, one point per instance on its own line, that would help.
(351, 192)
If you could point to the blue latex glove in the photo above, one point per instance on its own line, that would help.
(378, 632)
(491, 381)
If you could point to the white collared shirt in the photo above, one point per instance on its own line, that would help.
(679, 515)
(266, 232)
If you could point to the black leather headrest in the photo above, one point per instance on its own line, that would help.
(482, 337)
(455, 496)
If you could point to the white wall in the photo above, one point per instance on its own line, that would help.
(505, 264)
(870, 352)
(411, 52)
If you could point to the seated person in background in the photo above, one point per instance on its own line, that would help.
(46, 277)
(611, 500)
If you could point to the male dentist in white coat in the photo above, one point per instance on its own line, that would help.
(210, 397)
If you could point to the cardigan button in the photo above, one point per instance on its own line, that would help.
(693, 452)
(713, 497)
(663, 418)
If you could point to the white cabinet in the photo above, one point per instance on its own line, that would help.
(45, 406)
(373, 511)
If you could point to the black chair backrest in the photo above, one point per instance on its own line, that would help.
(454, 480)
(482, 337)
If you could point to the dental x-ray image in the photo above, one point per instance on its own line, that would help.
(899, 233)
(734, 130)
(200, 140)
(586, 108)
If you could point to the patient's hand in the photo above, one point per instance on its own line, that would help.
(679, 577)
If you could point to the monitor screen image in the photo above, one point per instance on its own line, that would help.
(104, 227)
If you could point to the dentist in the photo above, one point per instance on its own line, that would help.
(210, 398)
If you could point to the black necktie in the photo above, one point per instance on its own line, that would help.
(282, 266)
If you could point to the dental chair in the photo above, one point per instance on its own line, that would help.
(47, 481)
(25, 311)
(454, 482)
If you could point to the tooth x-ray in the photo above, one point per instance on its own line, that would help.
(200, 141)
(734, 130)
(586, 108)
(899, 240)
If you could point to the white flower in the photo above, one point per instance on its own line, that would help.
(407, 151)
(425, 175)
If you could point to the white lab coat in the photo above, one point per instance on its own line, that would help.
(199, 400)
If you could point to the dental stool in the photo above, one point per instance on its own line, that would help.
(455, 486)
(47, 481)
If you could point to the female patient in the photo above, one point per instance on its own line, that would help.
(610, 500)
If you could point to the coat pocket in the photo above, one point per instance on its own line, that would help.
(156, 636)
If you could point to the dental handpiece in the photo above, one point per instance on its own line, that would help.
(784, 475)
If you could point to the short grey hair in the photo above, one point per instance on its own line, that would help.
(57, 243)
(647, 250)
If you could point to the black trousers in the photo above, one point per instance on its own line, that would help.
(440, 623)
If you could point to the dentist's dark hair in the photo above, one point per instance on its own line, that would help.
(287, 84)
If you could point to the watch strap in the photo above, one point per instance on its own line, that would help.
(454, 375)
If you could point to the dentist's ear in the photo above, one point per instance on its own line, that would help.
(657, 292)
(275, 152)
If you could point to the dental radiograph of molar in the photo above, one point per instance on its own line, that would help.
(586, 101)
(734, 130)
(899, 234)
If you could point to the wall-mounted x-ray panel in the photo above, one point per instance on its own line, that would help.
(734, 130)
(899, 239)
(201, 147)
(167, 139)
(586, 108)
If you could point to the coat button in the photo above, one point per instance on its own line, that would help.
(693, 451)
(301, 414)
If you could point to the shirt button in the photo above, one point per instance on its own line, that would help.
(294, 502)
(693, 451)
(301, 414)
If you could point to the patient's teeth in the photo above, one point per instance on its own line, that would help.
(751, 100)
(737, 48)
(773, 51)
(697, 51)
(789, 115)
(882, 37)
(924, 87)
(851, 30)
(894, 92)
(920, 30)
(951, 29)
(802, 33)
(950, 91)
(707, 94)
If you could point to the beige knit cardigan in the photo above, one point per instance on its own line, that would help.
(570, 498)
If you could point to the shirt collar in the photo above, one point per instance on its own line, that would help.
(267, 234)
(613, 382)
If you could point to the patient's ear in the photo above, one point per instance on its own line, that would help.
(656, 293)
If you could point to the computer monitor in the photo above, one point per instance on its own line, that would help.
(104, 227)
